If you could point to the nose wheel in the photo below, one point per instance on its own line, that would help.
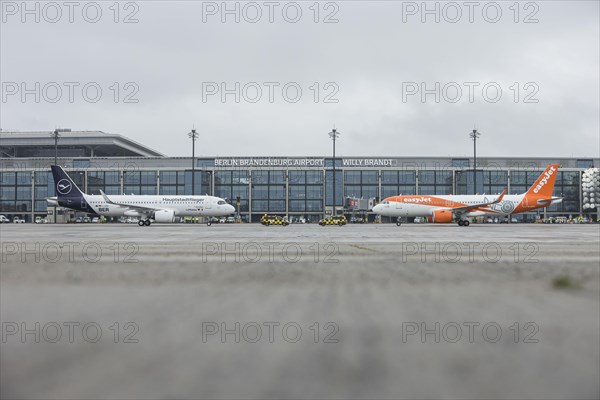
(398, 221)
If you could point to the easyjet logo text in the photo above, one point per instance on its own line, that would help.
(417, 199)
(544, 179)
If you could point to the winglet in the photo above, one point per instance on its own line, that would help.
(499, 199)
(106, 199)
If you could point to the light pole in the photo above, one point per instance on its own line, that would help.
(193, 135)
(474, 135)
(55, 135)
(334, 134)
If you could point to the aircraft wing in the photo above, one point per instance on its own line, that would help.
(464, 209)
(132, 206)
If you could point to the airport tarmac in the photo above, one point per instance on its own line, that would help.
(247, 311)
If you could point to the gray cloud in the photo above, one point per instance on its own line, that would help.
(368, 54)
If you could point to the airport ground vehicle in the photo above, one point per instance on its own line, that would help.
(273, 220)
(18, 220)
(3, 219)
(333, 220)
(40, 220)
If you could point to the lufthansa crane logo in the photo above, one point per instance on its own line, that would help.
(63, 186)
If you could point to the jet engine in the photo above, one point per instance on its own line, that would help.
(440, 216)
(164, 216)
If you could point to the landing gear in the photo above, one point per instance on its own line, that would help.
(144, 222)
(463, 222)
(141, 222)
(209, 223)
(398, 221)
(147, 222)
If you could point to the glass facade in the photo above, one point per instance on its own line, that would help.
(172, 182)
(16, 193)
(268, 191)
(568, 187)
(297, 191)
(339, 187)
(231, 184)
(432, 182)
(361, 184)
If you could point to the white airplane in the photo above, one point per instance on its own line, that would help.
(449, 208)
(145, 207)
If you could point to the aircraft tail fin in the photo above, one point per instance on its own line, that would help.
(64, 185)
(544, 184)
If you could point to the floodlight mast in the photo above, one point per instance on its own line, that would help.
(474, 135)
(334, 134)
(56, 135)
(193, 135)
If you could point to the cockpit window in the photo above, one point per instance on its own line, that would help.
(221, 202)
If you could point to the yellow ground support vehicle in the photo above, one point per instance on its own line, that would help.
(273, 220)
(333, 220)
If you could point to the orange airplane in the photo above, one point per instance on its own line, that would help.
(456, 208)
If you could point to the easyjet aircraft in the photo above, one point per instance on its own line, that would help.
(450, 208)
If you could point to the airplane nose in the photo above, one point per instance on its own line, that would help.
(377, 209)
(230, 209)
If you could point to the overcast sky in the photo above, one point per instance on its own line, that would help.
(364, 70)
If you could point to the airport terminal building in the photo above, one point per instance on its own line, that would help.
(295, 186)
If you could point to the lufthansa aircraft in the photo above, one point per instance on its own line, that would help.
(145, 207)
(446, 209)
